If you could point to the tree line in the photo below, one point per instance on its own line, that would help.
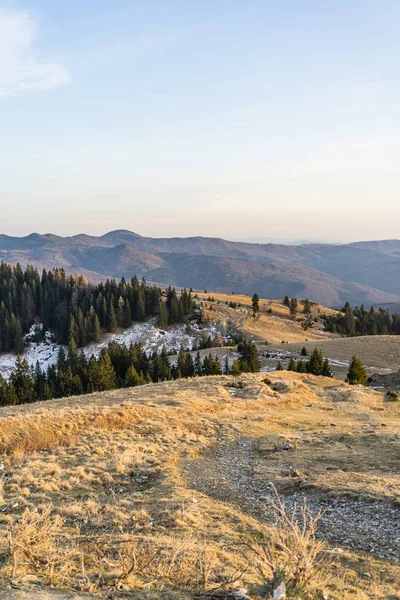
(117, 366)
(76, 311)
(316, 365)
(359, 321)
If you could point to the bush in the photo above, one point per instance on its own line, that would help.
(391, 395)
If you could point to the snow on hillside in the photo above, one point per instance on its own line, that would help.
(151, 338)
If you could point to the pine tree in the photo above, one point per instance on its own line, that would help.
(23, 382)
(316, 362)
(307, 307)
(73, 336)
(163, 316)
(304, 351)
(226, 366)
(357, 372)
(292, 364)
(197, 364)
(112, 319)
(255, 302)
(279, 366)
(326, 369)
(132, 378)
(96, 329)
(107, 377)
(286, 301)
(293, 307)
(235, 369)
(301, 367)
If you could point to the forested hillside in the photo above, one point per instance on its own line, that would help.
(330, 274)
(75, 310)
(359, 321)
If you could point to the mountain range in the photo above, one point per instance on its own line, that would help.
(360, 272)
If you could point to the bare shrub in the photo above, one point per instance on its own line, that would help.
(32, 542)
(290, 552)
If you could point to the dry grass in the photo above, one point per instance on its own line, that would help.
(378, 352)
(96, 494)
(292, 555)
(273, 327)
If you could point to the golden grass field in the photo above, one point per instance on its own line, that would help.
(274, 327)
(166, 491)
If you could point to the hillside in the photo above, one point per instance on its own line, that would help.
(364, 272)
(113, 493)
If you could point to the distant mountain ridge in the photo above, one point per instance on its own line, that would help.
(360, 272)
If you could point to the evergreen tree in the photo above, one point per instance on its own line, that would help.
(197, 364)
(286, 301)
(255, 302)
(293, 307)
(292, 364)
(132, 378)
(96, 329)
(112, 319)
(304, 351)
(73, 336)
(226, 366)
(316, 362)
(163, 316)
(357, 372)
(326, 369)
(307, 307)
(106, 373)
(301, 367)
(23, 382)
(279, 366)
(235, 369)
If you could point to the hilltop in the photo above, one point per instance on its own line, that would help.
(364, 272)
(116, 491)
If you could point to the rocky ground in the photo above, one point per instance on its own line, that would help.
(227, 473)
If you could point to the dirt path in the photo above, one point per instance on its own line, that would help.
(226, 473)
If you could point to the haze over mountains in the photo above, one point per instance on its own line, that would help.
(360, 272)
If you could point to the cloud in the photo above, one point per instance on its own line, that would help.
(22, 69)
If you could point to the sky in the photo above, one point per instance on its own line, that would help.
(264, 119)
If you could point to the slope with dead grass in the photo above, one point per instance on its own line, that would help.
(273, 323)
(166, 489)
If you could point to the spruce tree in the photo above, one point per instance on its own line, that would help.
(23, 382)
(326, 369)
(235, 369)
(357, 372)
(112, 319)
(163, 316)
(107, 378)
(316, 362)
(226, 366)
(255, 302)
(293, 307)
(307, 307)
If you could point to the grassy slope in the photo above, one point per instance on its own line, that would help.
(273, 327)
(128, 476)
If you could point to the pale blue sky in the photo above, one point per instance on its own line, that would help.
(257, 119)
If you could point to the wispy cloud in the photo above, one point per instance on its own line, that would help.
(22, 68)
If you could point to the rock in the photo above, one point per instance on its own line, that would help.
(280, 592)
(239, 594)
